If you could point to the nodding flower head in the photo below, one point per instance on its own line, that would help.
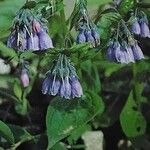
(124, 52)
(29, 32)
(136, 29)
(145, 32)
(87, 29)
(140, 25)
(137, 52)
(62, 80)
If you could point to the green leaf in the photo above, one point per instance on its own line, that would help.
(64, 116)
(6, 132)
(20, 134)
(8, 9)
(126, 6)
(17, 90)
(59, 146)
(91, 76)
(75, 135)
(6, 52)
(132, 121)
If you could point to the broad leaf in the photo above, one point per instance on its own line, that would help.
(64, 116)
(132, 121)
(6, 132)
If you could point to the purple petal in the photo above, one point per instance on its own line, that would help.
(55, 87)
(45, 40)
(145, 32)
(81, 38)
(46, 84)
(76, 88)
(136, 27)
(96, 36)
(137, 52)
(33, 42)
(65, 90)
(90, 38)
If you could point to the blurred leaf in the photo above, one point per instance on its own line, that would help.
(104, 23)
(91, 76)
(20, 134)
(64, 116)
(6, 132)
(141, 142)
(126, 6)
(8, 9)
(17, 90)
(59, 146)
(75, 135)
(132, 121)
(7, 94)
(6, 52)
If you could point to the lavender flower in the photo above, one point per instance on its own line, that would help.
(110, 50)
(81, 36)
(62, 80)
(96, 36)
(33, 42)
(136, 29)
(65, 89)
(76, 89)
(24, 78)
(145, 32)
(121, 53)
(90, 38)
(87, 29)
(45, 41)
(137, 52)
(140, 25)
(29, 33)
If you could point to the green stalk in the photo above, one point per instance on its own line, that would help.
(136, 86)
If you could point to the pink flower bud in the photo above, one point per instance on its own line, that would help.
(36, 26)
(24, 78)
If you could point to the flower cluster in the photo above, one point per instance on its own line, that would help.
(62, 80)
(123, 52)
(140, 25)
(29, 32)
(87, 30)
(123, 48)
(88, 34)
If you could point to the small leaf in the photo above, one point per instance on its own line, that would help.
(6, 132)
(20, 134)
(17, 90)
(132, 121)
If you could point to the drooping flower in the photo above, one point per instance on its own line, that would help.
(145, 32)
(29, 32)
(140, 25)
(87, 29)
(136, 29)
(76, 88)
(62, 80)
(120, 53)
(137, 52)
(96, 36)
(90, 38)
(81, 36)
